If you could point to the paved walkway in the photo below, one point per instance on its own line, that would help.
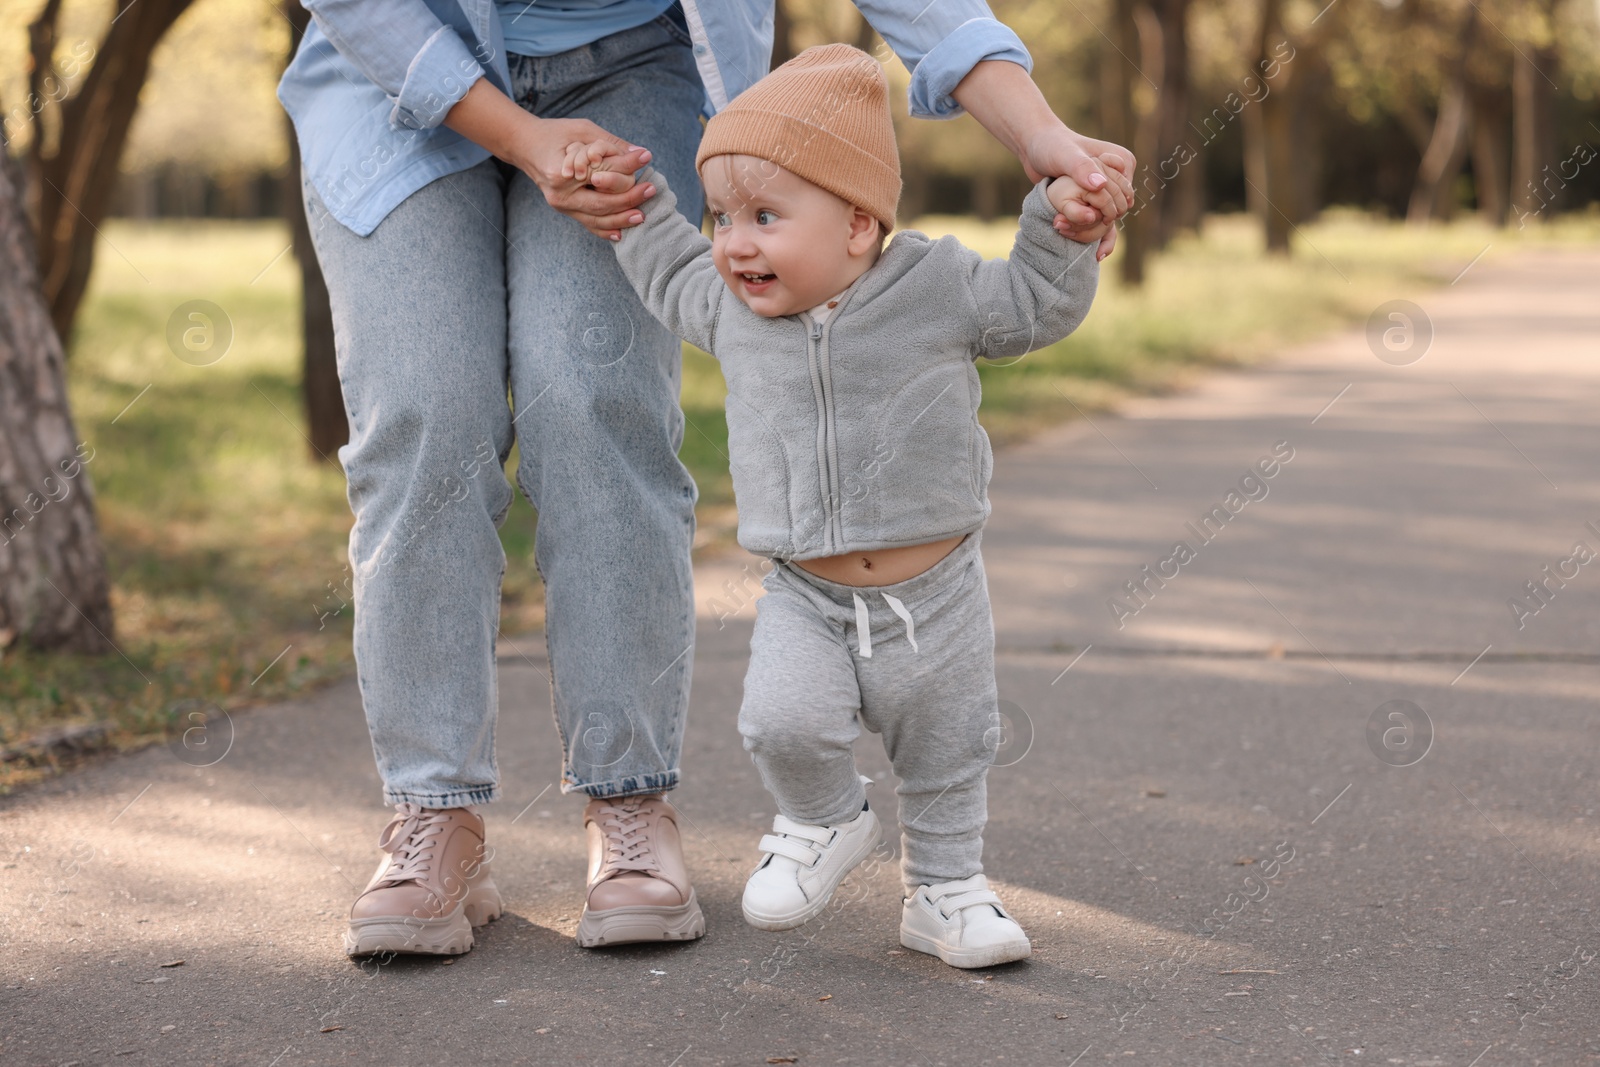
(1409, 883)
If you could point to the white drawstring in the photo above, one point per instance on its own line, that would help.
(863, 628)
(911, 628)
(864, 624)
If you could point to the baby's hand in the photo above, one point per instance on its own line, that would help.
(1078, 216)
(584, 159)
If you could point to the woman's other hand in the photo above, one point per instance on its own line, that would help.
(604, 204)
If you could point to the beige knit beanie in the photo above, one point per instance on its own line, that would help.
(824, 116)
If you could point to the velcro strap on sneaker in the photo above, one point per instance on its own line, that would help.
(798, 851)
(822, 835)
(955, 902)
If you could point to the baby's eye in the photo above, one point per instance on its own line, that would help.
(763, 217)
(721, 220)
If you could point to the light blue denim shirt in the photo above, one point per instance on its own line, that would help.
(371, 82)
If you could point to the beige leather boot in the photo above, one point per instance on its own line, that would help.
(638, 887)
(431, 888)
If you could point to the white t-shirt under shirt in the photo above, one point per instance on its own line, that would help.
(824, 309)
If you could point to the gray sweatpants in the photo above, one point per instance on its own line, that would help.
(927, 685)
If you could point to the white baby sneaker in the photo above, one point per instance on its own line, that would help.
(963, 923)
(802, 866)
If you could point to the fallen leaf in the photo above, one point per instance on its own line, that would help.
(542, 1030)
(783, 1059)
(448, 962)
(1060, 1016)
(896, 952)
(330, 1029)
(174, 963)
(1244, 861)
(826, 996)
(1155, 792)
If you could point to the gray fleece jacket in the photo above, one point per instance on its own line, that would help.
(861, 432)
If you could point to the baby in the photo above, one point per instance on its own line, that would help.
(861, 471)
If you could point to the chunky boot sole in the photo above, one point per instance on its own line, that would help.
(641, 922)
(447, 935)
(777, 923)
(967, 958)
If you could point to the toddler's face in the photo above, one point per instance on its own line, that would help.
(782, 244)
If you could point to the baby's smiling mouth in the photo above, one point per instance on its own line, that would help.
(756, 279)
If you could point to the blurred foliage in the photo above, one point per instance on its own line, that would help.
(209, 102)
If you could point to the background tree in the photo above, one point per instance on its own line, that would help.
(327, 426)
(1533, 88)
(53, 591)
(72, 167)
(1145, 81)
(1446, 147)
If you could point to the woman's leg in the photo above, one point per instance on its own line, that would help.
(595, 395)
(419, 320)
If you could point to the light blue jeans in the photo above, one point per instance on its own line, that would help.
(472, 288)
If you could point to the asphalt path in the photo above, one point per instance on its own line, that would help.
(1313, 789)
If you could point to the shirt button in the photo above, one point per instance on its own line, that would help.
(699, 49)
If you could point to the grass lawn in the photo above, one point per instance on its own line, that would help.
(227, 545)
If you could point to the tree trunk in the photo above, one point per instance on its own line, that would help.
(1431, 197)
(1270, 134)
(1184, 195)
(74, 178)
(1133, 50)
(782, 34)
(326, 422)
(866, 36)
(1533, 188)
(53, 589)
(1313, 88)
(1491, 136)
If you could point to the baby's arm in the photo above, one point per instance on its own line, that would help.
(1041, 293)
(666, 258)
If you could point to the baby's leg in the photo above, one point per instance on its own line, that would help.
(937, 711)
(800, 709)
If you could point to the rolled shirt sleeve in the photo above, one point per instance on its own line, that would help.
(403, 48)
(940, 41)
(934, 79)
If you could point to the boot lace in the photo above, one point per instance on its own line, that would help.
(626, 825)
(412, 840)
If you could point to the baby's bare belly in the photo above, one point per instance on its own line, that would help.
(885, 566)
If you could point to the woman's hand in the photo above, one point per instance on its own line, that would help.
(1103, 169)
(606, 203)
(1007, 103)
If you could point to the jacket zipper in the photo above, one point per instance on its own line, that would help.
(835, 492)
(821, 393)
